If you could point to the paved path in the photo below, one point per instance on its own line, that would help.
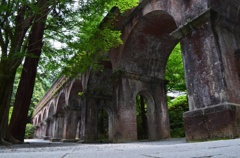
(171, 148)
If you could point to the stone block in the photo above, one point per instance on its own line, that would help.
(46, 138)
(55, 140)
(69, 140)
(215, 122)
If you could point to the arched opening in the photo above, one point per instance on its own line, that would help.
(61, 103)
(142, 120)
(40, 124)
(51, 110)
(73, 112)
(74, 98)
(38, 129)
(49, 130)
(149, 45)
(146, 54)
(44, 125)
(176, 92)
(103, 125)
(44, 115)
(37, 120)
(40, 119)
(146, 116)
(59, 118)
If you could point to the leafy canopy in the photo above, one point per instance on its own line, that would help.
(88, 39)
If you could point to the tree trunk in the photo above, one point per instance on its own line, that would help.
(6, 89)
(27, 80)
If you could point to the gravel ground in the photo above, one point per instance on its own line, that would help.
(169, 148)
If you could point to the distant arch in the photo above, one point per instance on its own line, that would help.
(40, 118)
(74, 97)
(61, 103)
(37, 119)
(44, 114)
(51, 110)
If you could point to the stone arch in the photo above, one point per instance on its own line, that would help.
(38, 125)
(149, 45)
(59, 117)
(50, 121)
(40, 118)
(175, 9)
(61, 103)
(72, 112)
(99, 95)
(51, 110)
(35, 121)
(73, 96)
(44, 114)
(143, 62)
(151, 114)
(44, 122)
(103, 122)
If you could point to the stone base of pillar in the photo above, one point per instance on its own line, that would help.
(70, 140)
(215, 122)
(81, 141)
(46, 138)
(55, 140)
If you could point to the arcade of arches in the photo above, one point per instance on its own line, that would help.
(208, 31)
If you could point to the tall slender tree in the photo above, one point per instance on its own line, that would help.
(14, 25)
(29, 71)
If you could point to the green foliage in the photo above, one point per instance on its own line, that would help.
(61, 28)
(80, 94)
(175, 71)
(39, 91)
(178, 101)
(92, 51)
(29, 132)
(103, 125)
(95, 38)
(82, 40)
(179, 105)
(141, 113)
(123, 5)
(176, 109)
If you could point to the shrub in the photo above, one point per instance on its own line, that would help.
(176, 109)
(29, 132)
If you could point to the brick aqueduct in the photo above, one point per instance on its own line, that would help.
(209, 34)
